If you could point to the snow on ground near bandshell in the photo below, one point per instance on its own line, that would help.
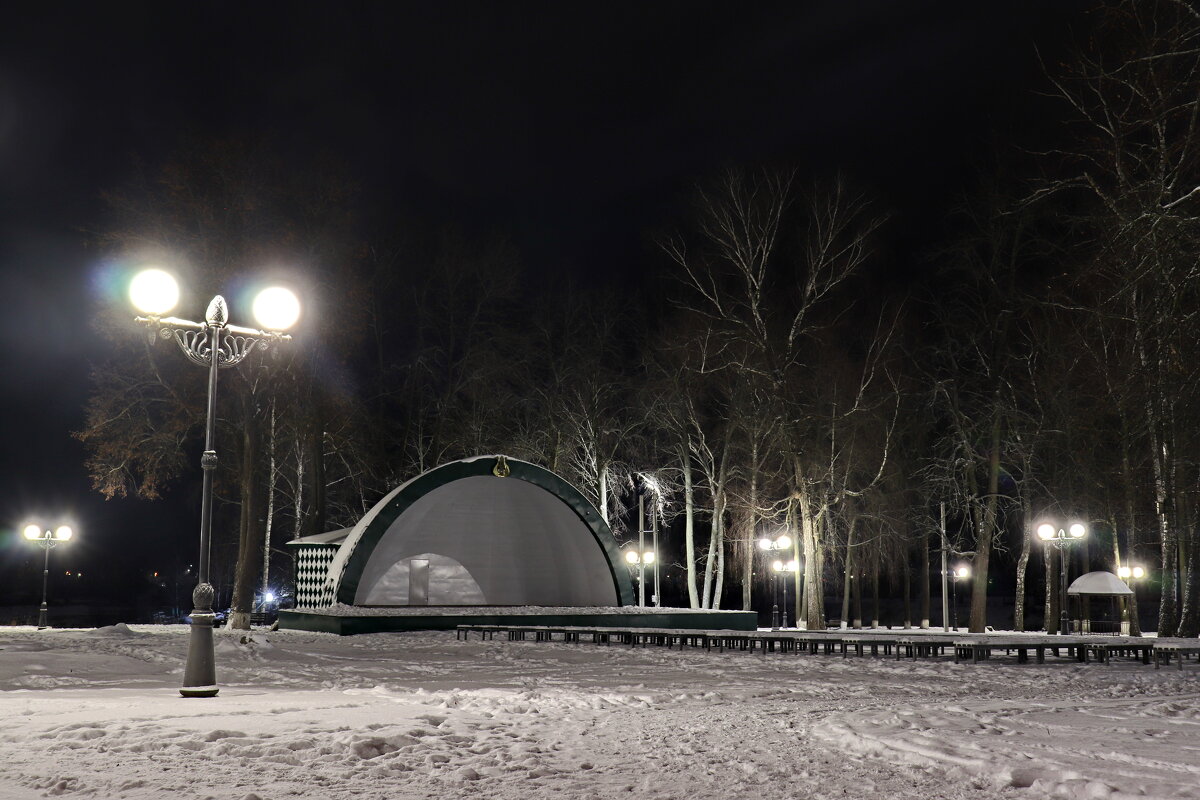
(96, 714)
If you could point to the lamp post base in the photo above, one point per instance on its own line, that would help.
(201, 672)
(42, 617)
(775, 617)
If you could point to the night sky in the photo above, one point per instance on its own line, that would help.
(575, 130)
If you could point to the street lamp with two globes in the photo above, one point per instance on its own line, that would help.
(640, 559)
(1131, 574)
(214, 344)
(959, 573)
(1062, 538)
(47, 540)
(768, 545)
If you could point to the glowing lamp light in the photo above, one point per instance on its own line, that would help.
(631, 557)
(1138, 572)
(32, 532)
(962, 572)
(276, 308)
(63, 533)
(1131, 572)
(269, 597)
(154, 291)
(780, 542)
(1045, 531)
(1077, 530)
(648, 557)
(777, 566)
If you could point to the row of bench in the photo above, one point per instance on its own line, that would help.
(974, 648)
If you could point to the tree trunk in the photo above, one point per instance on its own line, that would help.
(1023, 563)
(717, 544)
(252, 521)
(602, 492)
(983, 537)
(1050, 623)
(298, 497)
(1160, 454)
(856, 582)
(923, 570)
(906, 587)
(270, 521)
(847, 577)
(814, 587)
(313, 477)
(875, 615)
(710, 564)
(1135, 627)
(689, 519)
(750, 531)
(1189, 618)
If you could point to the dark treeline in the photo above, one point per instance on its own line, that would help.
(1041, 363)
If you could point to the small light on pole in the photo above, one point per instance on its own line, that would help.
(47, 540)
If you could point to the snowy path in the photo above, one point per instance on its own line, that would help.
(95, 714)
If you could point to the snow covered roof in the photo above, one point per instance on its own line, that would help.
(329, 537)
(1104, 583)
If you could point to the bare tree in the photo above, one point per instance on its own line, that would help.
(762, 299)
(1126, 172)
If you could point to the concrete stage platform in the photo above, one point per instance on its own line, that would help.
(345, 620)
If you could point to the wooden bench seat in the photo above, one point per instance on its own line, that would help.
(1164, 651)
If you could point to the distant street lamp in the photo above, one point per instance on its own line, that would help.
(47, 540)
(1062, 539)
(214, 344)
(782, 570)
(961, 572)
(640, 559)
(769, 545)
(1131, 575)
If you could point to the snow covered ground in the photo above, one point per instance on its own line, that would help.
(96, 714)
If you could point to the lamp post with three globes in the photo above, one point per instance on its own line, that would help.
(214, 344)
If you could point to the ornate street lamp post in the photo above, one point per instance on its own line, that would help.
(214, 344)
(1130, 575)
(961, 572)
(785, 570)
(769, 545)
(47, 540)
(1062, 539)
(640, 559)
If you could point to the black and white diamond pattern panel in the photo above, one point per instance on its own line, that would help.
(312, 564)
